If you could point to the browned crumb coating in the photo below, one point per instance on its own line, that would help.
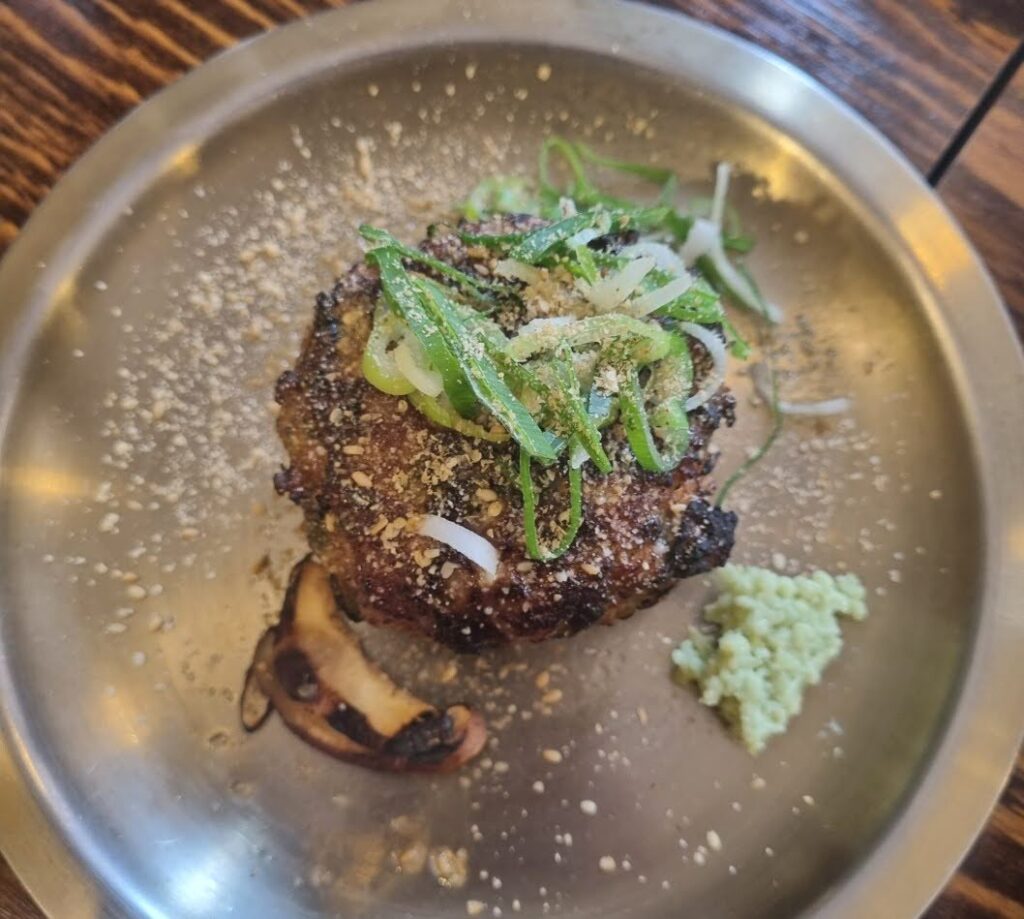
(365, 465)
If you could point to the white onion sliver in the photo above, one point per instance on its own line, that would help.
(665, 257)
(762, 383)
(427, 381)
(609, 292)
(510, 268)
(836, 406)
(584, 236)
(716, 348)
(739, 285)
(705, 238)
(722, 173)
(699, 241)
(463, 540)
(653, 299)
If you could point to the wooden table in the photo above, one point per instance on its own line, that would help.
(936, 76)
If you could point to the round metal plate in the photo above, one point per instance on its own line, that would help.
(147, 308)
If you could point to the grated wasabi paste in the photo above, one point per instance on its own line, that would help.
(776, 636)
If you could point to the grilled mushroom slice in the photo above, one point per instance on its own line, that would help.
(312, 669)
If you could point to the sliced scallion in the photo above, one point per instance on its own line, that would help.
(403, 298)
(637, 424)
(759, 454)
(440, 411)
(379, 365)
(476, 286)
(533, 546)
(577, 419)
(622, 336)
(499, 195)
(481, 373)
(536, 244)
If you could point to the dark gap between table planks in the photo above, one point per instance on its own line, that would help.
(69, 70)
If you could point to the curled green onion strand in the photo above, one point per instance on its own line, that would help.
(379, 365)
(637, 425)
(439, 411)
(533, 546)
(758, 455)
(402, 296)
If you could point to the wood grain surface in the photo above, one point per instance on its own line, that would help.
(69, 69)
(985, 189)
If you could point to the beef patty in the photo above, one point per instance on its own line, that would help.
(365, 465)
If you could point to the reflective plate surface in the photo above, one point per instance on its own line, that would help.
(157, 293)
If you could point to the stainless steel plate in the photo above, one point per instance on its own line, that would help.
(155, 295)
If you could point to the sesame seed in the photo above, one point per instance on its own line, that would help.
(588, 807)
(606, 863)
(362, 479)
(552, 756)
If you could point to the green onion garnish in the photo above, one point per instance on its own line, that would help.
(638, 428)
(475, 286)
(379, 366)
(577, 418)
(545, 387)
(623, 337)
(499, 195)
(535, 244)
(759, 454)
(481, 373)
(440, 412)
(403, 298)
(533, 546)
(490, 240)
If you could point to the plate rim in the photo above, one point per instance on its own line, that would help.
(979, 743)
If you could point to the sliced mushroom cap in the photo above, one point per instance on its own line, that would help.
(312, 669)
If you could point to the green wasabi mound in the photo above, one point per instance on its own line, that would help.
(776, 636)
